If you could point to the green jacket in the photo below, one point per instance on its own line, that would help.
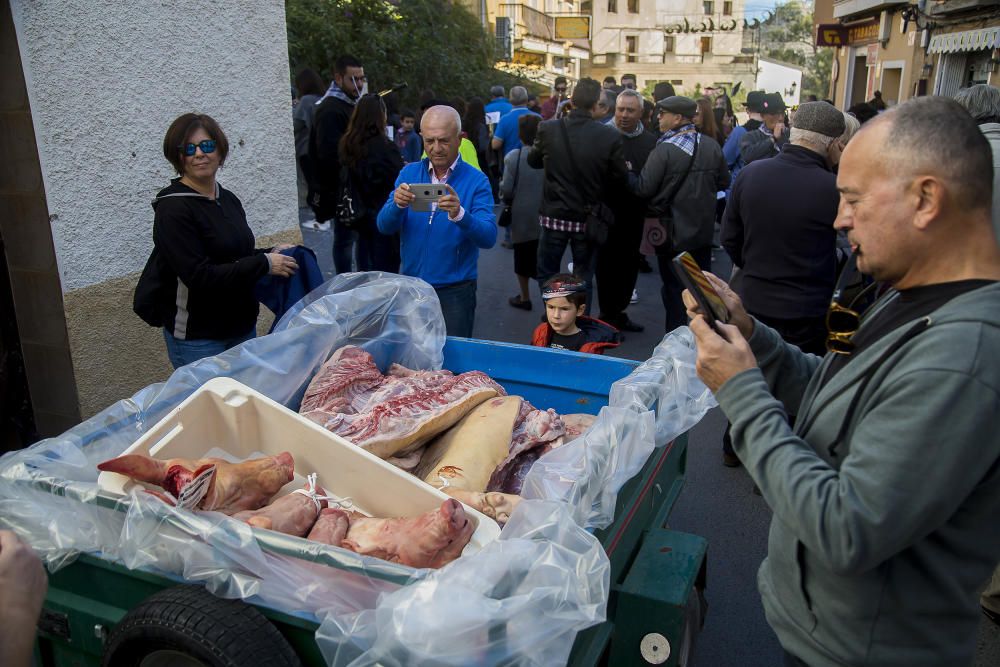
(886, 497)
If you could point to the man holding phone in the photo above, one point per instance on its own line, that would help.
(885, 495)
(442, 246)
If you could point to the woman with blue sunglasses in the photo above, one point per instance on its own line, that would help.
(198, 284)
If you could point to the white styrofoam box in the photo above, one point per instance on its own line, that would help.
(227, 415)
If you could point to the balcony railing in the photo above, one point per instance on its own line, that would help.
(529, 22)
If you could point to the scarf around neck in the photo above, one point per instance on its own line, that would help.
(684, 137)
(335, 91)
(639, 129)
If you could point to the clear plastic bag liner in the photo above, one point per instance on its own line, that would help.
(520, 600)
(668, 382)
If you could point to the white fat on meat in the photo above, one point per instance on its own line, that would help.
(390, 415)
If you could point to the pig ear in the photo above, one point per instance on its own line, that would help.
(285, 459)
(138, 467)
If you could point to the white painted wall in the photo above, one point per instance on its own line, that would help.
(106, 78)
(778, 78)
(610, 28)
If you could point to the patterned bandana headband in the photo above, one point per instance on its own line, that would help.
(563, 288)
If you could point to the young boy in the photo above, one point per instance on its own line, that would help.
(566, 328)
(407, 140)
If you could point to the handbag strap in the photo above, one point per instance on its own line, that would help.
(517, 168)
(572, 157)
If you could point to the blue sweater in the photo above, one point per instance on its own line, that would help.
(433, 248)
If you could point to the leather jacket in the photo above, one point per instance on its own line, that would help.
(599, 173)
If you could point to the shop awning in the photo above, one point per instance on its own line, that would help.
(970, 40)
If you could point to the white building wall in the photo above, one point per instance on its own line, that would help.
(778, 77)
(610, 29)
(106, 78)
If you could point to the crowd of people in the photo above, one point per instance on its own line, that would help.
(857, 367)
(652, 175)
(863, 257)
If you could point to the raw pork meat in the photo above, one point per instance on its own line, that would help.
(511, 478)
(234, 487)
(394, 414)
(466, 455)
(292, 514)
(348, 373)
(430, 540)
(331, 526)
(534, 428)
(497, 506)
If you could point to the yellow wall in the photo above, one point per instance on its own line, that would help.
(114, 352)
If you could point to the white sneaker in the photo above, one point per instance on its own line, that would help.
(322, 226)
(569, 267)
(635, 297)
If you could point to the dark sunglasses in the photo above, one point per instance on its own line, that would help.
(842, 322)
(207, 146)
(561, 90)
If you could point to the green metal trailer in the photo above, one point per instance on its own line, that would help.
(97, 612)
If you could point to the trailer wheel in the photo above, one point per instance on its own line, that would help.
(186, 626)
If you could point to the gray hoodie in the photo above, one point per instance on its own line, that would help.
(886, 496)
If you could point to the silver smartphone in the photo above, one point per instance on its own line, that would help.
(426, 194)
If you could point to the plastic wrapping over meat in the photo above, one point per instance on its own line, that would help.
(519, 600)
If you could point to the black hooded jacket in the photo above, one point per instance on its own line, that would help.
(198, 282)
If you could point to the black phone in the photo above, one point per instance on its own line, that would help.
(696, 282)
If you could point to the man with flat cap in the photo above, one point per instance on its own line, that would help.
(768, 140)
(778, 227)
(680, 180)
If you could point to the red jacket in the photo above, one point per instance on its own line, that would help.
(599, 335)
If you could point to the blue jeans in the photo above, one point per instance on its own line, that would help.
(551, 246)
(184, 352)
(458, 305)
(344, 240)
(378, 252)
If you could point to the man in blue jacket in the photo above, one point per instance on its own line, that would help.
(886, 493)
(442, 247)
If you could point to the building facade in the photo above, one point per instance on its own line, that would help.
(779, 77)
(83, 114)
(693, 44)
(529, 43)
(905, 49)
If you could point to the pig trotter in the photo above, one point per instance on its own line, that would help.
(497, 506)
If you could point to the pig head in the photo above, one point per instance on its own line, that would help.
(235, 486)
(430, 540)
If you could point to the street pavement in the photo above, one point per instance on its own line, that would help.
(717, 502)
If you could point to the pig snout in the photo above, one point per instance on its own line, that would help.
(454, 515)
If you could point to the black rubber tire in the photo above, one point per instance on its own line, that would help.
(192, 621)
